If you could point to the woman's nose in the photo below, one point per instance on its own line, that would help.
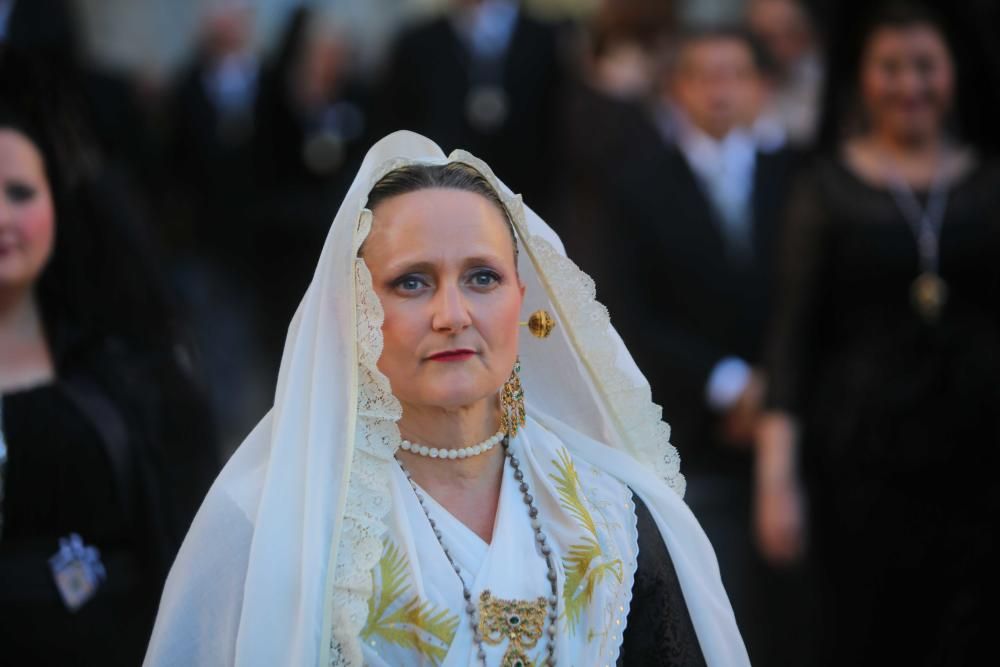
(451, 310)
(911, 82)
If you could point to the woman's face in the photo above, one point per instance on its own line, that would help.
(907, 81)
(442, 264)
(27, 214)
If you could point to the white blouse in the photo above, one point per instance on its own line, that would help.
(417, 613)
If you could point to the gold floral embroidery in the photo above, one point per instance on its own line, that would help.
(518, 621)
(414, 624)
(585, 563)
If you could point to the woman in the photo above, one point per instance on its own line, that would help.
(102, 442)
(362, 523)
(884, 365)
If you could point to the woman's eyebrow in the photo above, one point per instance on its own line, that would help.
(478, 260)
(413, 267)
(426, 266)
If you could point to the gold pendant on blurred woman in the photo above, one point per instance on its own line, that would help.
(929, 294)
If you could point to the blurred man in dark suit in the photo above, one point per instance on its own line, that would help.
(691, 254)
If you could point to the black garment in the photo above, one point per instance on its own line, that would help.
(214, 169)
(121, 472)
(681, 302)
(308, 158)
(900, 417)
(659, 631)
(57, 457)
(427, 86)
(60, 480)
(45, 26)
(597, 130)
(220, 228)
(310, 152)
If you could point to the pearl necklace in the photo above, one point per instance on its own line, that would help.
(463, 453)
(470, 607)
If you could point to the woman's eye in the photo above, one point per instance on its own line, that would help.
(891, 66)
(925, 66)
(19, 193)
(484, 278)
(409, 283)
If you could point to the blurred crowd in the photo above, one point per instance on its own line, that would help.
(793, 215)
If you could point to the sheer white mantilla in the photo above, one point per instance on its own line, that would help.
(278, 566)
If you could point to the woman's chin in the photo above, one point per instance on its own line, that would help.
(455, 396)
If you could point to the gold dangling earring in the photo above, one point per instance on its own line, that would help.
(512, 402)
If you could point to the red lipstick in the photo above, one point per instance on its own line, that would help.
(452, 355)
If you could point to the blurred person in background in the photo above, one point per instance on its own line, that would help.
(212, 129)
(975, 49)
(625, 39)
(313, 125)
(50, 29)
(484, 76)
(604, 115)
(785, 29)
(693, 251)
(884, 365)
(212, 211)
(312, 109)
(105, 445)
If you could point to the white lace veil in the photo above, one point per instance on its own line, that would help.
(276, 569)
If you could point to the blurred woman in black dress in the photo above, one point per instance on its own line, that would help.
(102, 431)
(885, 365)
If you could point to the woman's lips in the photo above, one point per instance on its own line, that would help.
(451, 355)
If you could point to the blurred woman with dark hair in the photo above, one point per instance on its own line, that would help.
(884, 364)
(104, 445)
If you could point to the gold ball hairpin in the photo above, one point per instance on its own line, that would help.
(540, 324)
